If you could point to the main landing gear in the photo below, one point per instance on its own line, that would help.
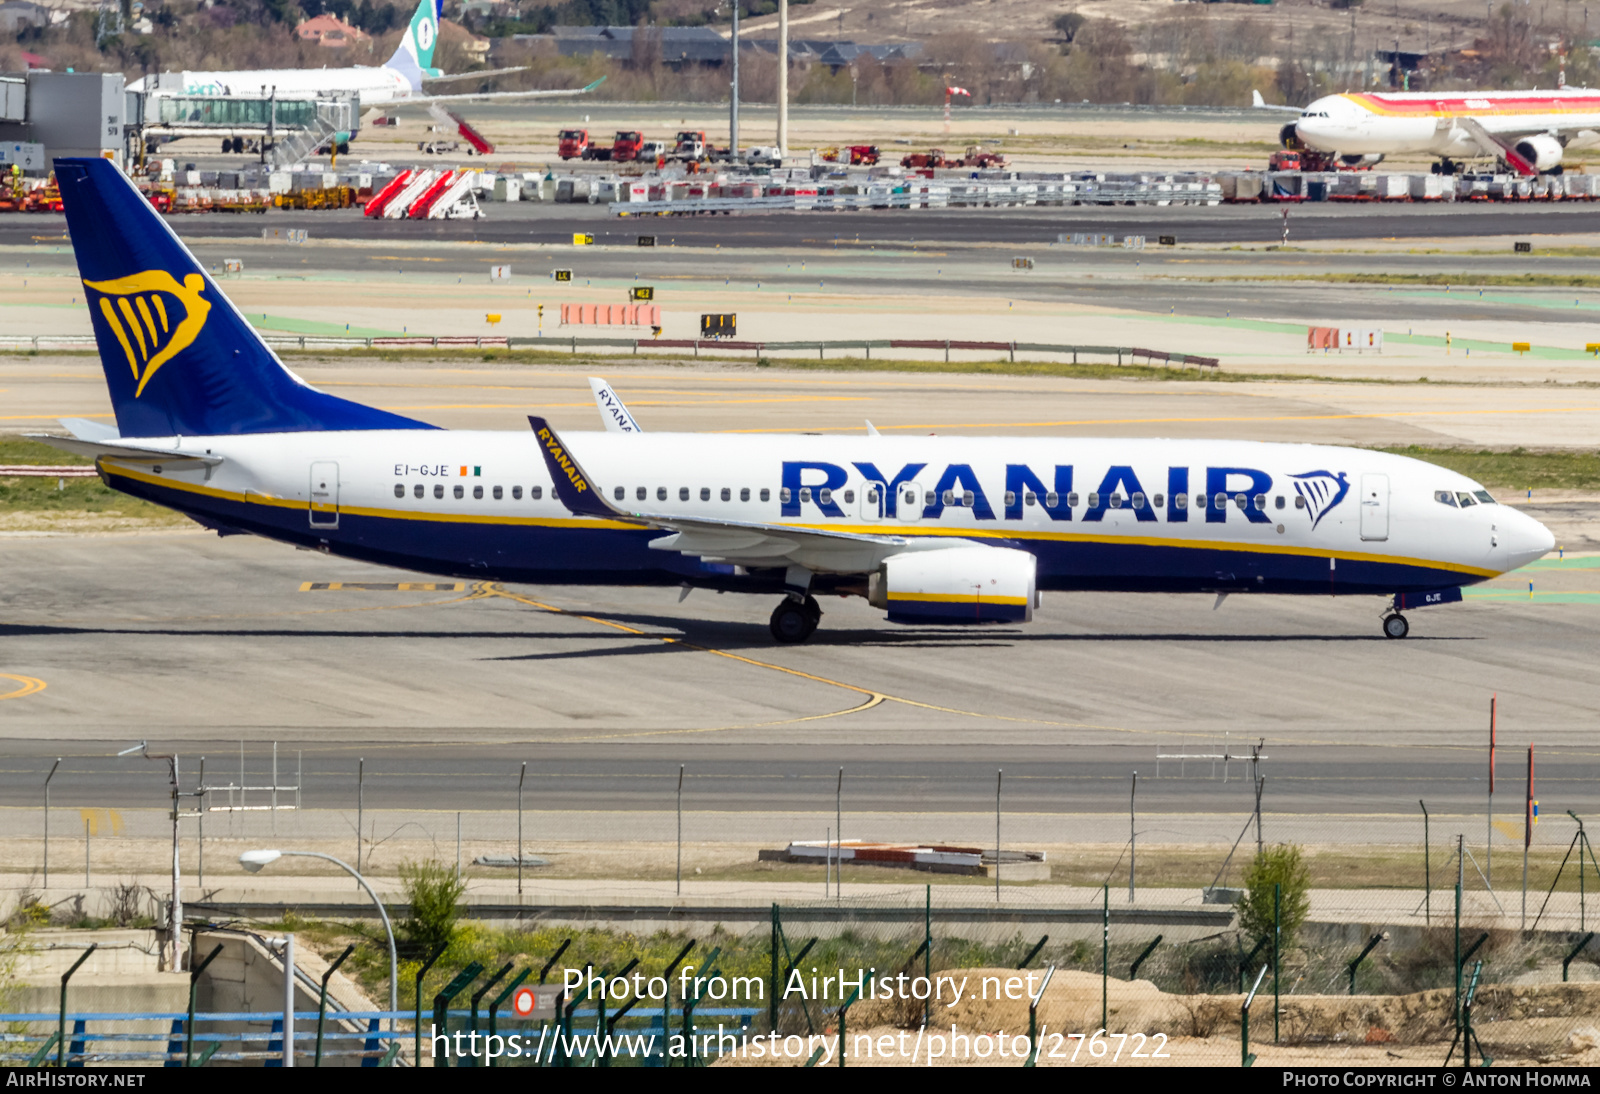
(794, 620)
(1395, 626)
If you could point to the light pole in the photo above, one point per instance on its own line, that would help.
(253, 861)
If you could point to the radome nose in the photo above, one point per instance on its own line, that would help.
(1526, 540)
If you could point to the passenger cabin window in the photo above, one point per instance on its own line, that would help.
(1138, 501)
(849, 497)
(805, 494)
(825, 496)
(1094, 499)
(1220, 501)
(1072, 500)
(399, 489)
(1030, 498)
(535, 492)
(642, 492)
(1052, 499)
(477, 493)
(784, 495)
(727, 494)
(499, 493)
(744, 493)
(516, 493)
(966, 498)
(1278, 501)
(949, 497)
(1445, 497)
(438, 491)
(460, 491)
(683, 493)
(418, 490)
(766, 494)
(872, 495)
(1299, 501)
(1157, 501)
(1011, 498)
(1180, 501)
(1116, 501)
(705, 493)
(620, 493)
(1260, 503)
(1465, 499)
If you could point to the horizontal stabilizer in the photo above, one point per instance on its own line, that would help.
(168, 457)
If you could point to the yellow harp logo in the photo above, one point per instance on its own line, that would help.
(152, 317)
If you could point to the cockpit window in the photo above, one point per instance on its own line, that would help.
(1483, 496)
(1465, 499)
(1445, 497)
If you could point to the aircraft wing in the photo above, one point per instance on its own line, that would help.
(117, 449)
(744, 542)
(486, 96)
(473, 75)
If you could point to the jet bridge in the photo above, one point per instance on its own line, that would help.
(282, 130)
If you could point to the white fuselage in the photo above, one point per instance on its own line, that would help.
(1426, 123)
(1097, 513)
(376, 85)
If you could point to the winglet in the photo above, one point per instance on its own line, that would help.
(591, 87)
(575, 489)
(615, 415)
(1256, 100)
(872, 430)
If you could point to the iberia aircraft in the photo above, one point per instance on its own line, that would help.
(1529, 130)
(399, 80)
(930, 529)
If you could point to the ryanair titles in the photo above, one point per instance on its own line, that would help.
(1245, 489)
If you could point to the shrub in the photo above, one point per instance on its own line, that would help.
(434, 892)
(1282, 866)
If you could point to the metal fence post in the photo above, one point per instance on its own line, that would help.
(477, 997)
(1277, 947)
(47, 779)
(1245, 1057)
(494, 1008)
(520, 780)
(1427, 872)
(61, 1023)
(1105, 950)
(322, 999)
(927, 950)
(417, 1023)
(772, 1002)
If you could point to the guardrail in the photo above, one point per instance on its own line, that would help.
(572, 343)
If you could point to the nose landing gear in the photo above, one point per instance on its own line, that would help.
(1395, 626)
(793, 620)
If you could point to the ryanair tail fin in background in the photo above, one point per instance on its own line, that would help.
(178, 356)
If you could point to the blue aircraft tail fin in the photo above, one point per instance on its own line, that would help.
(178, 356)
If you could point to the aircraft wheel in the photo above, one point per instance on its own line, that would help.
(1395, 626)
(792, 623)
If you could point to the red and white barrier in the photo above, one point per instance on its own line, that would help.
(612, 315)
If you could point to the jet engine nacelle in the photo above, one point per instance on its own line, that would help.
(1288, 137)
(957, 585)
(1542, 150)
(1356, 161)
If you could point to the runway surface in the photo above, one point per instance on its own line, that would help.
(535, 222)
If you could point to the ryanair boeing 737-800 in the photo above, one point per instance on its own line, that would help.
(930, 529)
